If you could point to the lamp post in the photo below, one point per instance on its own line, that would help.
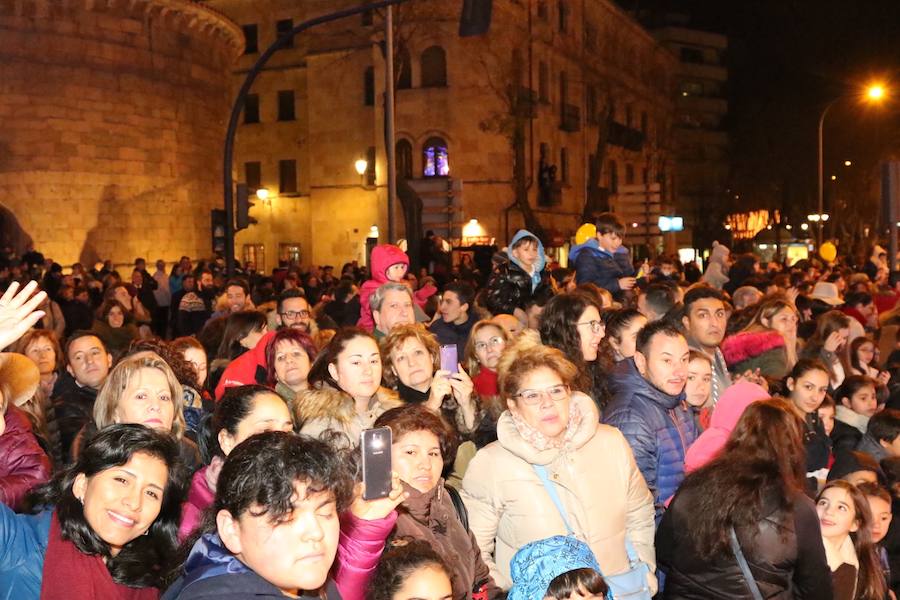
(873, 93)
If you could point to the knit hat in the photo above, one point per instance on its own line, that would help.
(851, 461)
(538, 563)
(19, 376)
(719, 253)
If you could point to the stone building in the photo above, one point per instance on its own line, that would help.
(113, 118)
(700, 140)
(547, 80)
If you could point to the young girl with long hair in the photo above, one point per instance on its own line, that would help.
(845, 520)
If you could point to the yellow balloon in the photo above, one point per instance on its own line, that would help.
(828, 251)
(585, 232)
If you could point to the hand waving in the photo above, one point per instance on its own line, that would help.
(18, 313)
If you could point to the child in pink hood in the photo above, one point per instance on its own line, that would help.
(725, 416)
(389, 263)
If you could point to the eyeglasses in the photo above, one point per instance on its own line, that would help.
(595, 325)
(491, 343)
(293, 314)
(555, 393)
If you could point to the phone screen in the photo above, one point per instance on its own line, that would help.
(375, 447)
(449, 359)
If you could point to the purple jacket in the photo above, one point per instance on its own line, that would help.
(23, 464)
(360, 546)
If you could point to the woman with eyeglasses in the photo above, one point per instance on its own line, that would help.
(571, 322)
(486, 343)
(555, 470)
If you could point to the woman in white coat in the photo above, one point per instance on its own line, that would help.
(589, 466)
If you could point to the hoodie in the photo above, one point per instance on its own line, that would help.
(383, 257)
(211, 571)
(246, 369)
(723, 421)
(541, 259)
(511, 286)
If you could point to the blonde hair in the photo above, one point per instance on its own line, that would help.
(473, 367)
(398, 335)
(108, 398)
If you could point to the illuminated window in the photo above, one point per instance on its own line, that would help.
(436, 158)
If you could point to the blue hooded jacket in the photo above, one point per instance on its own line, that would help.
(212, 572)
(595, 265)
(657, 427)
(541, 259)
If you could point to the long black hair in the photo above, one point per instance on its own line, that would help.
(141, 562)
(559, 329)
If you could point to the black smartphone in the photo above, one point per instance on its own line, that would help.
(375, 446)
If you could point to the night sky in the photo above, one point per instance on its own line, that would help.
(787, 59)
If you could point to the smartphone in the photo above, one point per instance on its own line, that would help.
(375, 446)
(449, 360)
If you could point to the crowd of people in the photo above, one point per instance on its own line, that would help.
(602, 430)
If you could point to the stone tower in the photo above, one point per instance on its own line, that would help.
(112, 119)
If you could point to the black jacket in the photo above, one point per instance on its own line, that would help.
(784, 551)
(509, 286)
(73, 408)
(450, 333)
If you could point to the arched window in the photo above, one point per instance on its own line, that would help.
(403, 70)
(434, 67)
(436, 159)
(403, 159)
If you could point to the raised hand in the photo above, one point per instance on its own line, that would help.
(372, 510)
(18, 313)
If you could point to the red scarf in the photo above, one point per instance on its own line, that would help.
(486, 383)
(69, 574)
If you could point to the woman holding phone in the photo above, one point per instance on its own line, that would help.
(413, 367)
(422, 442)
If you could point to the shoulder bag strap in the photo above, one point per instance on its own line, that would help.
(458, 506)
(742, 563)
(541, 471)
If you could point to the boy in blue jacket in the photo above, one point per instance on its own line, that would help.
(603, 260)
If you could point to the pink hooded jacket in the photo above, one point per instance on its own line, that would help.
(383, 257)
(724, 418)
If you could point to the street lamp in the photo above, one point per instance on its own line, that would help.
(874, 93)
(361, 165)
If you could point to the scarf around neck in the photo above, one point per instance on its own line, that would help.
(541, 442)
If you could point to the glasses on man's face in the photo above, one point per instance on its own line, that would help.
(293, 314)
(555, 393)
(492, 342)
(596, 326)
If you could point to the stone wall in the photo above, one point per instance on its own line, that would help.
(113, 118)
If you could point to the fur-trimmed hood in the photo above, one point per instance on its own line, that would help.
(337, 405)
(749, 344)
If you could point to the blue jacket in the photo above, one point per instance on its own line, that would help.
(657, 427)
(594, 265)
(23, 543)
(212, 572)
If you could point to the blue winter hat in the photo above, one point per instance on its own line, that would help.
(536, 564)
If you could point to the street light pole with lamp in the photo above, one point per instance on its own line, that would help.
(874, 93)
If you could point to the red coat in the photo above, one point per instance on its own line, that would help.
(23, 464)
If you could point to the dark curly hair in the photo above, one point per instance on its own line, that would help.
(143, 561)
(184, 371)
(398, 563)
(415, 417)
(261, 472)
(559, 329)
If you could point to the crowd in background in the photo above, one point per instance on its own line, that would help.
(605, 429)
